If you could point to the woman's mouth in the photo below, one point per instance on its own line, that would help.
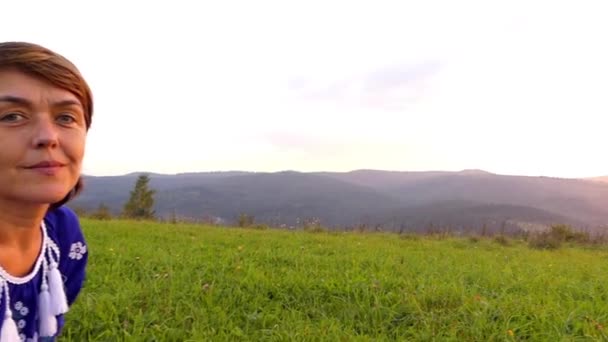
(47, 167)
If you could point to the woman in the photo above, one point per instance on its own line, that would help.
(45, 112)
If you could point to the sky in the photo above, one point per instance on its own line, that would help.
(510, 87)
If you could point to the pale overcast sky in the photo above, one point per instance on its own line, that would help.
(511, 87)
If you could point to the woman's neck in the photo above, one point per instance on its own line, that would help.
(20, 223)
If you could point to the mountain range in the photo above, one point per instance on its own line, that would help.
(388, 200)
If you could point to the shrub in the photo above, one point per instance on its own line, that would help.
(313, 225)
(556, 235)
(566, 234)
(502, 240)
(410, 236)
(102, 213)
(245, 220)
(80, 211)
(315, 229)
(544, 240)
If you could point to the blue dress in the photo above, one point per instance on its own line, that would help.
(63, 233)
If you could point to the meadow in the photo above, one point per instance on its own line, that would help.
(151, 281)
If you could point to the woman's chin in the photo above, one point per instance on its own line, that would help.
(47, 196)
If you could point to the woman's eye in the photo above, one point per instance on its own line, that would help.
(12, 117)
(66, 119)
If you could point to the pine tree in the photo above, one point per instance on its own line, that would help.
(141, 203)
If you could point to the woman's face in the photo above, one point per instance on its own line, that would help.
(42, 139)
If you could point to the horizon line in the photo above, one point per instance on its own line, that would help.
(469, 171)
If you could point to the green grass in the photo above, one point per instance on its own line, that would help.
(156, 282)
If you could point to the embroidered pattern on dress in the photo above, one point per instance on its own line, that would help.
(77, 250)
(20, 313)
(51, 299)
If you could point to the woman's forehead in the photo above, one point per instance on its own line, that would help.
(15, 85)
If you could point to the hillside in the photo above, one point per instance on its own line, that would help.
(204, 283)
(469, 199)
(603, 179)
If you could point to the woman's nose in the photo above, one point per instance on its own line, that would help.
(45, 134)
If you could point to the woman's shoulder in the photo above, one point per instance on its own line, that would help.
(63, 227)
(62, 215)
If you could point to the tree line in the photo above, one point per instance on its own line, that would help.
(139, 206)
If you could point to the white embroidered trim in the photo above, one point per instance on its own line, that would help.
(47, 263)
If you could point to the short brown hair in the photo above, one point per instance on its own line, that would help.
(42, 63)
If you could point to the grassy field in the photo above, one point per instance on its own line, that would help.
(155, 282)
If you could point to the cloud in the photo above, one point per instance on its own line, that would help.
(399, 75)
(389, 88)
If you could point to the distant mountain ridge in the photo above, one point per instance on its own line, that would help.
(599, 179)
(465, 200)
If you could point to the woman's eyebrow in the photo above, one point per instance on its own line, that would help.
(16, 100)
(67, 103)
(25, 102)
